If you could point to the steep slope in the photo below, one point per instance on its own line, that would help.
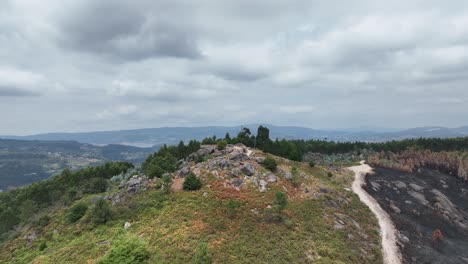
(234, 213)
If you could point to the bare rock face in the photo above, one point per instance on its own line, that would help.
(449, 210)
(271, 177)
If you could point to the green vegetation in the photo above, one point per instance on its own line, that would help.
(202, 255)
(127, 249)
(295, 181)
(77, 212)
(280, 203)
(192, 182)
(58, 190)
(166, 183)
(221, 145)
(311, 163)
(231, 207)
(101, 212)
(270, 163)
(165, 159)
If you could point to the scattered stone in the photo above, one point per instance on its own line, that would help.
(338, 225)
(288, 175)
(237, 183)
(263, 185)
(350, 236)
(331, 203)
(30, 238)
(127, 225)
(248, 169)
(324, 190)
(105, 242)
(400, 184)
(416, 187)
(395, 208)
(375, 185)
(271, 177)
(205, 194)
(235, 172)
(419, 197)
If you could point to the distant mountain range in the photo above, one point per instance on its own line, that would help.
(150, 137)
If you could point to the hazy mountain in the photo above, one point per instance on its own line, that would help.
(172, 135)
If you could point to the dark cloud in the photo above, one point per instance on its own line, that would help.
(120, 30)
(7, 91)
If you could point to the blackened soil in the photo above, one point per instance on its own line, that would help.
(416, 213)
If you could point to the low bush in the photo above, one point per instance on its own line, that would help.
(101, 212)
(192, 182)
(76, 212)
(221, 145)
(231, 207)
(312, 163)
(127, 250)
(270, 163)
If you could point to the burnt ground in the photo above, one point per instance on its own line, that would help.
(433, 201)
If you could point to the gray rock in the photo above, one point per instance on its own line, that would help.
(416, 187)
(288, 175)
(30, 238)
(263, 185)
(419, 197)
(248, 169)
(271, 177)
(331, 203)
(324, 190)
(127, 225)
(184, 171)
(400, 184)
(237, 182)
(235, 172)
(238, 156)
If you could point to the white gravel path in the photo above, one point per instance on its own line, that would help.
(391, 253)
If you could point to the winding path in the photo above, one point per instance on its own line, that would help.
(391, 253)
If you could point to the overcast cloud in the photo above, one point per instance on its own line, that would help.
(85, 65)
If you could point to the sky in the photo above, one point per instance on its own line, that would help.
(87, 65)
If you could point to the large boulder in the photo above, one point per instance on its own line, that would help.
(184, 171)
(136, 183)
(248, 169)
(262, 185)
(288, 175)
(238, 156)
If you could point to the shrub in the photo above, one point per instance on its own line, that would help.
(126, 250)
(280, 203)
(101, 212)
(96, 185)
(77, 212)
(295, 177)
(232, 206)
(270, 163)
(221, 145)
(192, 182)
(42, 246)
(329, 174)
(166, 183)
(311, 163)
(202, 255)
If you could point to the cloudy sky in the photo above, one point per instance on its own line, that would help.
(90, 65)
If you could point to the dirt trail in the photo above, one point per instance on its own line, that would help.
(391, 254)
